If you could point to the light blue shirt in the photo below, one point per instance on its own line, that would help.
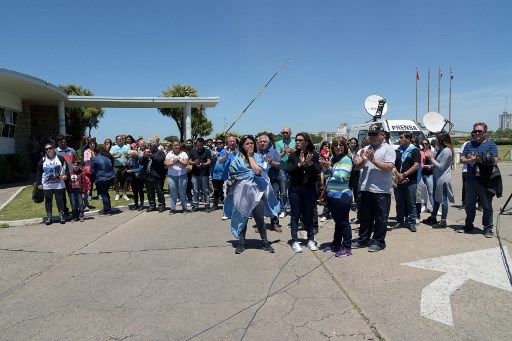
(120, 155)
(280, 147)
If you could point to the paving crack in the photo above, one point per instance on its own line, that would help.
(358, 309)
(33, 251)
(47, 268)
(194, 247)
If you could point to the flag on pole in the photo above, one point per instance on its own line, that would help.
(451, 75)
(417, 74)
(440, 73)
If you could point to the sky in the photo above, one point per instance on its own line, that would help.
(339, 53)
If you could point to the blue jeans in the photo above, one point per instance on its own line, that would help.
(374, 218)
(77, 202)
(429, 181)
(258, 215)
(178, 186)
(340, 209)
(475, 190)
(443, 204)
(302, 200)
(284, 184)
(102, 188)
(200, 183)
(405, 196)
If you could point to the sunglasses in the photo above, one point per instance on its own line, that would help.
(373, 134)
(285, 132)
(49, 148)
(219, 142)
(477, 131)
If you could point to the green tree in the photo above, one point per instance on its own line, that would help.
(171, 138)
(201, 126)
(79, 119)
(224, 136)
(315, 138)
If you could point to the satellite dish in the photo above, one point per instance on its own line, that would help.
(434, 121)
(375, 105)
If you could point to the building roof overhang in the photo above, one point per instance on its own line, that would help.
(38, 91)
(141, 102)
(30, 88)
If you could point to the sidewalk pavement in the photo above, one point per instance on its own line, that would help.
(154, 276)
(9, 191)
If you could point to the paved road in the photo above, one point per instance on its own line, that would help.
(153, 276)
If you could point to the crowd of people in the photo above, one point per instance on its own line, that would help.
(257, 178)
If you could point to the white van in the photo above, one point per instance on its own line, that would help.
(394, 127)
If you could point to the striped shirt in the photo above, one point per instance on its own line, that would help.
(339, 175)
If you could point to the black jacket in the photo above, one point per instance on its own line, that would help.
(305, 176)
(157, 167)
(488, 174)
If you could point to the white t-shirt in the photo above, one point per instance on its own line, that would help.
(177, 169)
(373, 179)
(464, 166)
(52, 170)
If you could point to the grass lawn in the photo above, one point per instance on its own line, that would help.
(503, 150)
(22, 206)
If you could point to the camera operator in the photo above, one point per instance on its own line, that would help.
(479, 155)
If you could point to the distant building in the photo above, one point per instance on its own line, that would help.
(327, 135)
(506, 120)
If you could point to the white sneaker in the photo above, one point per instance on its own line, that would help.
(282, 215)
(323, 219)
(418, 220)
(117, 197)
(224, 217)
(423, 208)
(296, 247)
(125, 197)
(312, 245)
(439, 212)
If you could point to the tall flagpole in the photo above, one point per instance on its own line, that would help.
(428, 91)
(417, 78)
(450, 98)
(439, 76)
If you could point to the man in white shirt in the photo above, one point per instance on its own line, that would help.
(376, 161)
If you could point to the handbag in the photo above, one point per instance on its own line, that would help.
(37, 194)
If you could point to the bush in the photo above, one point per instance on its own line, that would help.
(502, 141)
(14, 168)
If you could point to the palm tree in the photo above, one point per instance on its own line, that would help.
(201, 126)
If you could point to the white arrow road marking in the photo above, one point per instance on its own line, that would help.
(484, 266)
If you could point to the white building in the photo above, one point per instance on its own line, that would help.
(32, 106)
(505, 120)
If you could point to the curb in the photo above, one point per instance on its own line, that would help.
(35, 221)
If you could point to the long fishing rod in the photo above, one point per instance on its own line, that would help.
(257, 95)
